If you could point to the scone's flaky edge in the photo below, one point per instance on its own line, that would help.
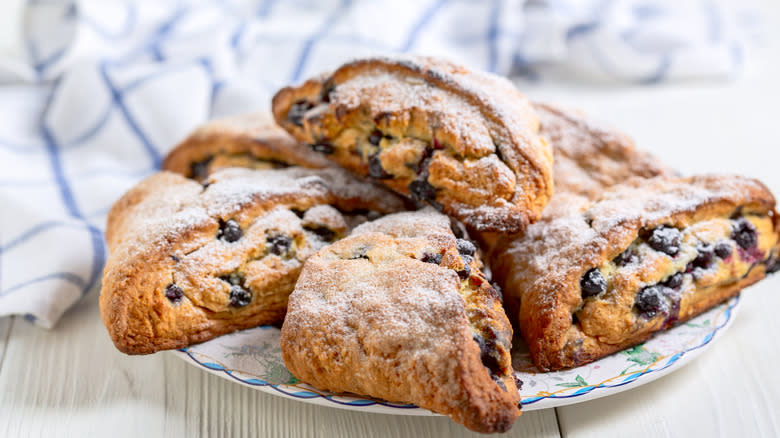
(433, 363)
(251, 137)
(504, 113)
(591, 156)
(162, 232)
(543, 298)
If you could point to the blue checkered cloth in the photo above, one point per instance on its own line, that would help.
(104, 89)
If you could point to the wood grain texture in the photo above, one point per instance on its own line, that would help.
(72, 382)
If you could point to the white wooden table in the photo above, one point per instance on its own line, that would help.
(70, 381)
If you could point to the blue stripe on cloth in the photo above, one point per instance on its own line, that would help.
(265, 8)
(20, 148)
(94, 173)
(581, 29)
(37, 229)
(316, 37)
(426, 16)
(118, 99)
(68, 277)
(90, 132)
(492, 36)
(96, 236)
(714, 26)
(131, 17)
(660, 72)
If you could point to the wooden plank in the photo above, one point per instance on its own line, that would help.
(72, 381)
(6, 325)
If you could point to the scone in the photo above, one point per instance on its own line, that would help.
(189, 262)
(594, 277)
(399, 310)
(465, 142)
(249, 140)
(590, 156)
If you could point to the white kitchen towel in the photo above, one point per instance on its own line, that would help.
(97, 91)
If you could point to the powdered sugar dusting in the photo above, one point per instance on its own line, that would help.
(467, 116)
(577, 234)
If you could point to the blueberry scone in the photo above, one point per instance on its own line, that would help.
(590, 156)
(189, 262)
(249, 140)
(594, 277)
(462, 141)
(400, 310)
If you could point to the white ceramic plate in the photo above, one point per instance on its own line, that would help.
(253, 358)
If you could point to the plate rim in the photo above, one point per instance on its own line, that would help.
(308, 394)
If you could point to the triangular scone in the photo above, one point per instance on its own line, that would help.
(248, 140)
(463, 141)
(399, 310)
(590, 156)
(189, 262)
(594, 277)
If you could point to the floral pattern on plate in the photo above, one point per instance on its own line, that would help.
(254, 358)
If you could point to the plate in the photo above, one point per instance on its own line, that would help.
(253, 358)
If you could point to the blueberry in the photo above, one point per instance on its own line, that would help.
(499, 292)
(772, 265)
(375, 137)
(650, 300)
(422, 191)
(229, 231)
(278, 244)
(465, 247)
(199, 170)
(723, 250)
(327, 88)
(519, 384)
(744, 233)
(626, 257)
(425, 161)
(666, 239)
(466, 271)
(593, 283)
(297, 111)
(432, 258)
(239, 297)
(234, 278)
(323, 148)
(375, 169)
(325, 233)
(704, 257)
(674, 281)
(486, 347)
(174, 293)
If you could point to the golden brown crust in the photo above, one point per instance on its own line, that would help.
(590, 156)
(394, 312)
(248, 140)
(465, 142)
(188, 263)
(542, 273)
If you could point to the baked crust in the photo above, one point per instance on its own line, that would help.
(399, 310)
(188, 263)
(463, 141)
(248, 140)
(590, 156)
(578, 281)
